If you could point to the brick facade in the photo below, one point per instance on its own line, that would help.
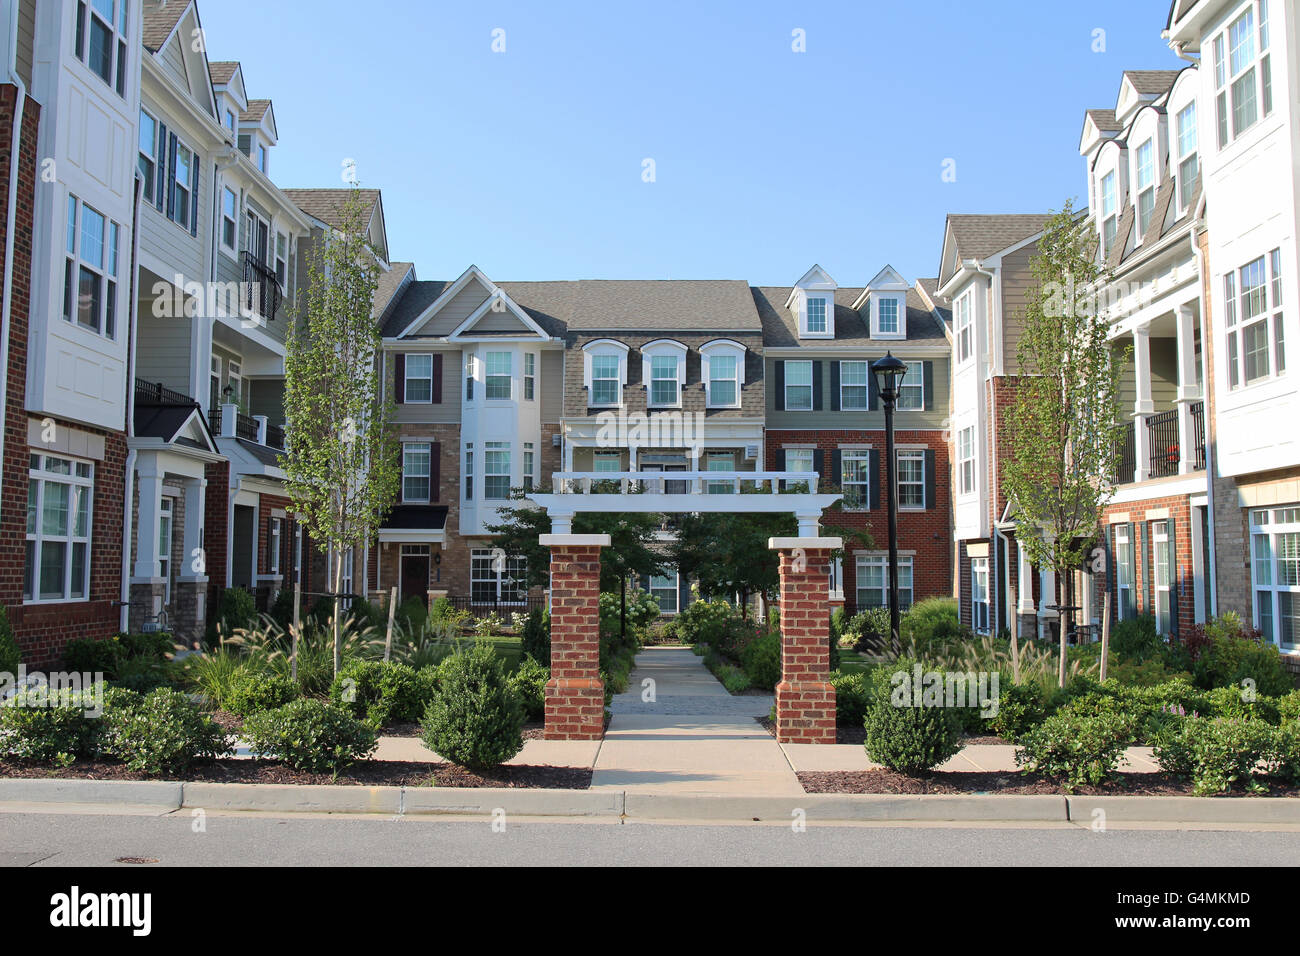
(575, 694)
(1140, 514)
(805, 700)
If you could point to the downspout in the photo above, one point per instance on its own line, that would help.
(128, 484)
(15, 156)
(1178, 52)
(1211, 575)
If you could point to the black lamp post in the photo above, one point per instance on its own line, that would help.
(889, 372)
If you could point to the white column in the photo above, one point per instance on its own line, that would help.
(195, 500)
(229, 419)
(1142, 405)
(149, 480)
(1025, 605)
(1047, 595)
(1188, 390)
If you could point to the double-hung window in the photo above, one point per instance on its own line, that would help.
(1243, 81)
(496, 470)
(148, 161)
(724, 378)
(853, 386)
(799, 386)
(979, 595)
(469, 471)
(165, 546)
(1146, 185)
(57, 562)
(911, 390)
(1161, 573)
(1275, 574)
(873, 580)
(604, 380)
(966, 460)
(229, 219)
(496, 578)
(101, 40)
(529, 459)
(1188, 163)
(498, 375)
(965, 330)
(416, 457)
(418, 383)
(816, 315)
(798, 460)
(281, 259)
(721, 461)
(663, 380)
(855, 477)
(1125, 581)
(911, 479)
(530, 376)
(90, 271)
(187, 173)
(1109, 213)
(1253, 320)
(663, 588)
(273, 546)
(887, 316)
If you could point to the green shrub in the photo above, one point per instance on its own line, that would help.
(160, 733)
(1021, 707)
(282, 608)
(1217, 754)
(852, 696)
(1284, 756)
(142, 674)
(1241, 703)
(1078, 749)
(910, 739)
(311, 735)
(475, 718)
(761, 661)
(252, 691)
(642, 608)
(1136, 638)
(89, 655)
(1232, 652)
(380, 692)
(50, 726)
(833, 656)
(930, 623)
(871, 624)
(529, 683)
(236, 610)
(1288, 707)
(734, 679)
(10, 658)
(707, 622)
(535, 641)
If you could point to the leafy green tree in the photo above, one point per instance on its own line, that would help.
(1063, 427)
(341, 455)
(727, 553)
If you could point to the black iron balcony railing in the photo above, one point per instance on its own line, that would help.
(1126, 464)
(1197, 410)
(275, 436)
(1162, 439)
(262, 293)
(214, 420)
(246, 427)
(155, 393)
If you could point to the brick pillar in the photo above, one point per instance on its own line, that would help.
(805, 700)
(575, 694)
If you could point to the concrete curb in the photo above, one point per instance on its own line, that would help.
(831, 807)
(617, 804)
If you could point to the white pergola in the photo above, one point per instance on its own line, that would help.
(677, 492)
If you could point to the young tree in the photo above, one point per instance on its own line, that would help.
(1063, 423)
(727, 553)
(341, 454)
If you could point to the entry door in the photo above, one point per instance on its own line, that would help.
(415, 577)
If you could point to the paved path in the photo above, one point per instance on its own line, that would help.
(691, 737)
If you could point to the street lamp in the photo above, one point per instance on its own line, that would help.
(889, 373)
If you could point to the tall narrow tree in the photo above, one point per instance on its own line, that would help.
(341, 453)
(1064, 428)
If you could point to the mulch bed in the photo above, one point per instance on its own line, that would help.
(858, 735)
(996, 783)
(370, 773)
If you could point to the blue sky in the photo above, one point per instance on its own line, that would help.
(529, 162)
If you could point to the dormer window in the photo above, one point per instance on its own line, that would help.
(261, 157)
(816, 315)
(1146, 185)
(886, 320)
(1109, 213)
(604, 372)
(664, 370)
(230, 120)
(723, 368)
(812, 303)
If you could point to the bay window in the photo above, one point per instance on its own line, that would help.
(56, 565)
(101, 40)
(965, 332)
(966, 460)
(90, 271)
(497, 376)
(496, 470)
(1253, 320)
(1243, 80)
(1275, 574)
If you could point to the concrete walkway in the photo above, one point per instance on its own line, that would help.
(677, 730)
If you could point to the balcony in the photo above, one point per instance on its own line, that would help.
(254, 428)
(683, 482)
(1161, 453)
(155, 393)
(261, 287)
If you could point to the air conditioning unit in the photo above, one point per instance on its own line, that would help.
(555, 440)
(751, 452)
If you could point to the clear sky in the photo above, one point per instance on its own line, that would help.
(530, 162)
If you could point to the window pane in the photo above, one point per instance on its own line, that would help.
(101, 49)
(723, 393)
(1243, 103)
(816, 315)
(53, 556)
(1255, 340)
(54, 519)
(79, 571)
(92, 237)
(89, 299)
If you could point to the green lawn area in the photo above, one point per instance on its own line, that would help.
(509, 649)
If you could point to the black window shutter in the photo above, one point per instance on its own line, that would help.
(171, 176)
(1173, 579)
(817, 386)
(927, 387)
(929, 477)
(437, 378)
(1145, 569)
(780, 459)
(835, 386)
(1112, 569)
(194, 195)
(837, 468)
(872, 397)
(399, 378)
(435, 470)
(161, 172)
(778, 378)
(469, 388)
(873, 478)
(819, 461)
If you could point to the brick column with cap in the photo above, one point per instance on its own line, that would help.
(575, 694)
(805, 699)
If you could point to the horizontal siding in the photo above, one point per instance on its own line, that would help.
(1017, 281)
(456, 311)
(163, 350)
(1164, 376)
(174, 62)
(26, 39)
(445, 412)
(552, 386)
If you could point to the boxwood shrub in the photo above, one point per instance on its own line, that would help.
(162, 732)
(311, 735)
(475, 718)
(50, 726)
(381, 692)
(252, 691)
(909, 739)
(529, 683)
(1079, 748)
(1217, 754)
(761, 660)
(852, 697)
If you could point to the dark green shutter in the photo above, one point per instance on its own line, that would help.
(873, 478)
(1173, 578)
(927, 386)
(1143, 532)
(171, 176)
(194, 195)
(436, 385)
(160, 153)
(435, 471)
(399, 379)
(873, 399)
(819, 461)
(817, 386)
(930, 488)
(835, 386)
(1112, 570)
(778, 381)
(837, 469)
(780, 459)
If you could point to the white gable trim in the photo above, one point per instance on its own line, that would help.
(886, 280)
(815, 278)
(498, 295)
(449, 293)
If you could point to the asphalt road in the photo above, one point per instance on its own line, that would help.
(91, 839)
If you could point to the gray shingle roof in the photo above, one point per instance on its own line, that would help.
(1105, 120)
(324, 204)
(256, 110)
(980, 236)
(160, 18)
(781, 331)
(221, 71)
(389, 284)
(1149, 82)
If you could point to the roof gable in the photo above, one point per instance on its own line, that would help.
(497, 316)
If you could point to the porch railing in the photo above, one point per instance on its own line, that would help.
(681, 482)
(261, 287)
(1162, 439)
(214, 420)
(155, 393)
(1126, 465)
(1197, 410)
(275, 436)
(246, 427)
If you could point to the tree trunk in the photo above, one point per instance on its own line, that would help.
(338, 635)
(1062, 601)
(1015, 634)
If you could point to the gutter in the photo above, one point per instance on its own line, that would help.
(128, 483)
(12, 214)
